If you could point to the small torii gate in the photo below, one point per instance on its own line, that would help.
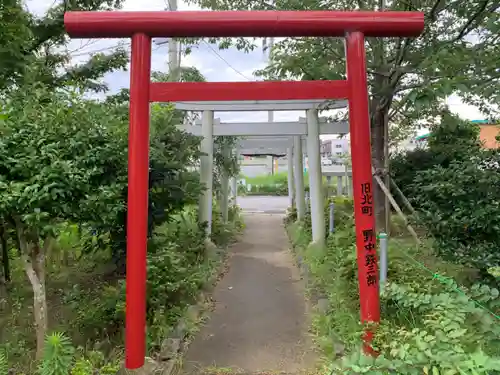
(290, 138)
(142, 26)
(262, 143)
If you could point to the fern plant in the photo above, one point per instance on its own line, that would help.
(4, 366)
(58, 355)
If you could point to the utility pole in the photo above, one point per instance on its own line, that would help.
(174, 53)
(174, 61)
(270, 114)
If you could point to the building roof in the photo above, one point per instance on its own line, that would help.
(423, 136)
(426, 135)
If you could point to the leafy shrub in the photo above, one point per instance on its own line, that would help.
(223, 233)
(426, 328)
(177, 269)
(4, 366)
(61, 358)
(175, 263)
(453, 184)
(458, 206)
(452, 140)
(269, 189)
(450, 334)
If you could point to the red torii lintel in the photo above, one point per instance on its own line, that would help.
(142, 26)
(257, 90)
(118, 24)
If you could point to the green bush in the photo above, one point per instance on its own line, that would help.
(452, 140)
(276, 184)
(458, 207)
(453, 185)
(61, 358)
(223, 233)
(426, 327)
(343, 213)
(268, 189)
(177, 269)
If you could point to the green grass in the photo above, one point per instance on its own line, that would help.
(277, 184)
(277, 178)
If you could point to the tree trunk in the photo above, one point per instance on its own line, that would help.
(39, 306)
(378, 157)
(33, 257)
(5, 253)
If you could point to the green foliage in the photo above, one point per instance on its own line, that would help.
(225, 161)
(33, 48)
(455, 205)
(4, 366)
(268, 189)
(14, 37)
(426, 327)
(48, 171)
(104, 187)
(177, 269)
(187, 74)
(450, 334)
(280, 178)
(58, 355)
(452, 184)
(224, 233)
(451, 140)
(64, 175)
(276, 184)
(408, 78)
(61, 358)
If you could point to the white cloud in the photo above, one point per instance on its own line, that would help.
(463, 110)
(226, 65)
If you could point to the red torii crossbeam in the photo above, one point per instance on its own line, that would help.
(142, 26)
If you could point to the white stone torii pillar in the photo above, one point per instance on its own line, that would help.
(224, 204)
(315, 178)
(298, 171)
(206, 169)
(291, 183)
(234, 181)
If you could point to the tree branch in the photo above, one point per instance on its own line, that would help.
(466, 28)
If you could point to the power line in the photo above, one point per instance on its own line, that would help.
(227, 63)
(127, 46)
(105, 49)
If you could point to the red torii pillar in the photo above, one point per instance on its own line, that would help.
(142, 26)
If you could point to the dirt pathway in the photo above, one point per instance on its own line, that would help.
(259, 323)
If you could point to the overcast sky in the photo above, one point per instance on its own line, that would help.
(215, 65)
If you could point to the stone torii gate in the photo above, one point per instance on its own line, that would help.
(355, 26)
(311, 126)
(266, 141)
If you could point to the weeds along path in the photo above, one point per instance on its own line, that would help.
(259, 324)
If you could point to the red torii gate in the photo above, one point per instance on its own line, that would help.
(142, 26)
